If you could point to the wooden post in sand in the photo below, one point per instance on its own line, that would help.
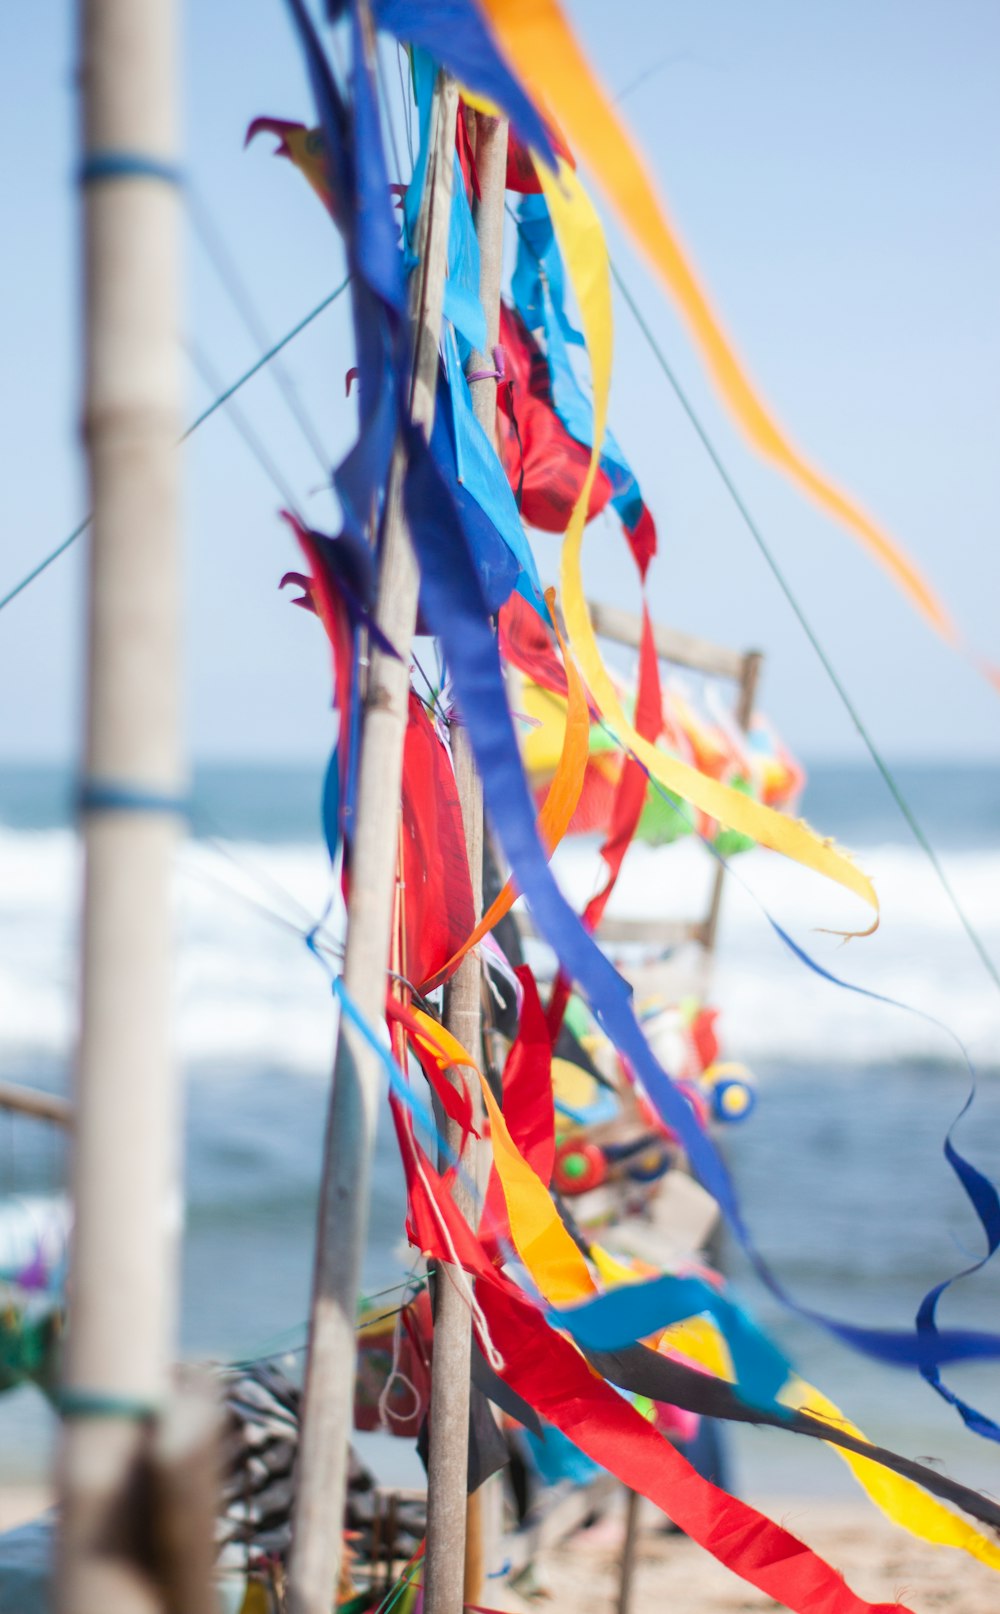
(343, 1218)
(453, 1570)
(122, 1275)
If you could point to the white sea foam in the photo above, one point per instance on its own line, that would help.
(248, 990)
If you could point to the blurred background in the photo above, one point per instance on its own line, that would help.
(830, 171)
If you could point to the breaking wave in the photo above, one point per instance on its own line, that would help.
(250, 993)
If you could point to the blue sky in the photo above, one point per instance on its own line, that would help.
(832, 171)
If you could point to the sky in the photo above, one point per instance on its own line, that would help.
(832, 171)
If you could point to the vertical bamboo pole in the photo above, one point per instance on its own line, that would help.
(350, 1134)
(445, 1587)
(124, 1160)
(752, 663)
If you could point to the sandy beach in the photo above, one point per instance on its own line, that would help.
(880, 1563)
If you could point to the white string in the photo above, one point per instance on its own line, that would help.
(460, 1279)
(396, 1372)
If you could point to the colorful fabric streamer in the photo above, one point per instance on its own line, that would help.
(456, 613)
(436, 892)
(900, 1499)
(582, 241)
(537, 41)
(538, 288)
(554, 1379)
(557, 810)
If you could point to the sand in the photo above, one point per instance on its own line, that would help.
(19, 1503)
(879, 1561)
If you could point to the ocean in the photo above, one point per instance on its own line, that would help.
(840, 1167)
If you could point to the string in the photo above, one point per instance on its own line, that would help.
(407, 106)
(260, 453)
(396, 1373)
(888, 777)
(236, 289)
(199, 420)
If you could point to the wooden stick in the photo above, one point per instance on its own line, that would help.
(633, 1503)
(31, 1101)
(350, 1136)
(123, 1269)
(445, 1583)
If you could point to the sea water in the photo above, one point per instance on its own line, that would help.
(840, 1167)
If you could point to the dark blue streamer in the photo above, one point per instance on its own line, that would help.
(454, 33)
(981, 1192)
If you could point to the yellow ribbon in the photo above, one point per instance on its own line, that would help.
(900, 1499)
(541, 48)
(581, 241)
(536, 1227)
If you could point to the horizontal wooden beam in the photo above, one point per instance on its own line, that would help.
(655, 932)
(661, 932)
(684, 649)
(31, 1101)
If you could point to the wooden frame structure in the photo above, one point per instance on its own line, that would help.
(741, 667)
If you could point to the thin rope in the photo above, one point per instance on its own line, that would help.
(888, 777)
(264, 359)
(37, 571)
(199, 420)
(407, 105)
(236, 288)
(256, 447)
(458, 1277)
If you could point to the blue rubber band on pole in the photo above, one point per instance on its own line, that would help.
(108, 796)
(103, 165)
(95, 1404)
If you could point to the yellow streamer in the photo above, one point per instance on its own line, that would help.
(536, 1227)
(543, 51)
(581, 240)
(900, 1499)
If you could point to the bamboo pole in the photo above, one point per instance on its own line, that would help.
(350, 1135)
(123, 1264)
(449, 1519)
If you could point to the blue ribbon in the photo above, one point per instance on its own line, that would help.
(636, 1310)
(455, 34)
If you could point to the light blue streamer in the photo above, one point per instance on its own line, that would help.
(482, 475)
(618, 1318)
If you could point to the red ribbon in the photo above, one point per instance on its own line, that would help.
(554, 1378)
